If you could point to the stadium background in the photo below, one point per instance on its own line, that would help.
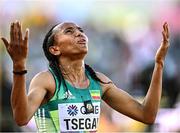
(123, 38)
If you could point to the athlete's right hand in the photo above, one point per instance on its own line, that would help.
(17, 47)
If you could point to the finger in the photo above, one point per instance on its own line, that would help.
(26, 37)
(164, 36)
(165, 39)
(167, 30)
(5, 42)
(20, 31)
(164, 26)
(16, 32)
(11, 32)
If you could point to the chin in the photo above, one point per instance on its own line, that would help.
(85, 51)
(84, 48)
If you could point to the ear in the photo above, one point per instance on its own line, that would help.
(55, 50)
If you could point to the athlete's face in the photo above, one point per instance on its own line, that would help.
(70, 39)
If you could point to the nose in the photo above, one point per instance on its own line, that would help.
(79, 33)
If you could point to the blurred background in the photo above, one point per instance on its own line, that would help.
(123, 38)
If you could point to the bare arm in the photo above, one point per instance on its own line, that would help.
(125, 104)
(23, 106)
(153, 96)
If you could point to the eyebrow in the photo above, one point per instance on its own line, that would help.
(79, 28)
(72, 28)
(68, 28)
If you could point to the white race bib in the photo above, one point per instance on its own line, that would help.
(72, 117)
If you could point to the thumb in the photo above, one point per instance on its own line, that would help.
(5, 42)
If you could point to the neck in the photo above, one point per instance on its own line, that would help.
(73, 71)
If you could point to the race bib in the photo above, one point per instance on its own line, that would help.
(73, 117)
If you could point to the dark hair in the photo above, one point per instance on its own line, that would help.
(53, 61)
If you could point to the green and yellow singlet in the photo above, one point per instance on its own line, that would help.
(70, 115)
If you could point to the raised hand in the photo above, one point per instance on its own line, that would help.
(162, 51)
(17, 48)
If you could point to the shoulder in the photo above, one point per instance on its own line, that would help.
(103, 77)
(43, 79)
(42, 88)
(110, 90)
(44, 75)
(108, 84)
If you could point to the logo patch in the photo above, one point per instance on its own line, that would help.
(72, 110)
(69, 95)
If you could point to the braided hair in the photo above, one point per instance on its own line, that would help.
(54, 64)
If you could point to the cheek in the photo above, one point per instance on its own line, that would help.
(65, 40)
(66, 44)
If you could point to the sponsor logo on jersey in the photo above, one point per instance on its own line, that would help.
(72, 110)
(69, 95)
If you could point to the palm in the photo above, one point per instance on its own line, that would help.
(18, 46)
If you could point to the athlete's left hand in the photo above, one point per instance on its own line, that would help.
(162, 51)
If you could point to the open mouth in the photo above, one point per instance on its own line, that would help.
(81, 41)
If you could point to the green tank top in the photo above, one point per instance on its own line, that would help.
(78, 113)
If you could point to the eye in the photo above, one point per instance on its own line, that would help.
(69, 31)
(81, 30)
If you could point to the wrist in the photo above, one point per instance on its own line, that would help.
(20, 72)
(19, 65)
(159, 64)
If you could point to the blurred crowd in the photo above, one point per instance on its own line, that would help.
(122, 48)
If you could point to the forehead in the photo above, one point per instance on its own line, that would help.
(63, 26)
